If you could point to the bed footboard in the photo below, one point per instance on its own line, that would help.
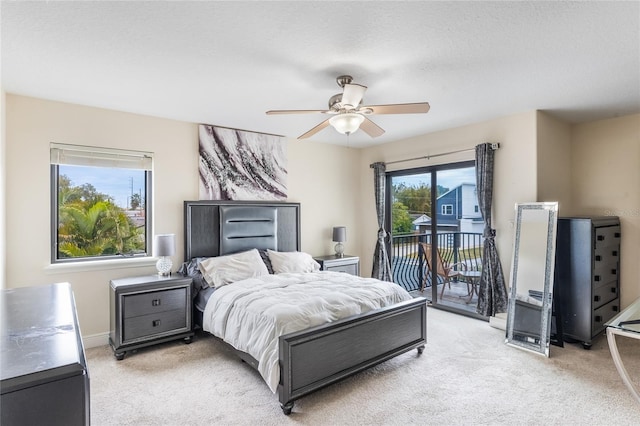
(316, 357)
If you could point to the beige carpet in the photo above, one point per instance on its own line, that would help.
(466, 376)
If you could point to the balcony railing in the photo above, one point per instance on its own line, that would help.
(408, 263)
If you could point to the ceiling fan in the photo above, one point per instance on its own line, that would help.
(348, 115)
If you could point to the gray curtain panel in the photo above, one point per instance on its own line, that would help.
(381, 265)
(492, 294)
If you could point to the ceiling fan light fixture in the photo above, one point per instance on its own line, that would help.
(346, 123)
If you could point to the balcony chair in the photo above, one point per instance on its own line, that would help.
(444, 270)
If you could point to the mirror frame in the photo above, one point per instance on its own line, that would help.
(541, 345)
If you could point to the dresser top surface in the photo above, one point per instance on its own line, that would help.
(38, 332)
(595, 220)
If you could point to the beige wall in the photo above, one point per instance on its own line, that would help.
(605, 181)
(3, 180)
(554, 162)
(514, 180)
(321, 177)
(324, 179)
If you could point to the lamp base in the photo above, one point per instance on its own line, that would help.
(339, 248)
(164, 266)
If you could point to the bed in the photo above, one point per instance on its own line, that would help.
(311, 358)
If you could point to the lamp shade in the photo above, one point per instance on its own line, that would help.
(346, 123)
(165, 244)
(339, 234)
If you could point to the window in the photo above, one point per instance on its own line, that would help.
(100, 203)
(432, 197)
(476, 209)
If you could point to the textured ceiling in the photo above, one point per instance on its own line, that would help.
(226, 63)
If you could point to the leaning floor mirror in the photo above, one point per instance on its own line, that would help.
(532, 269)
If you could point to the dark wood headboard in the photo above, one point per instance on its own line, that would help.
(214, 228)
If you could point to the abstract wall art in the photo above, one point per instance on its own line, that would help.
(241, 165)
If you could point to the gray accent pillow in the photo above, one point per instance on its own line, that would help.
(190, 269)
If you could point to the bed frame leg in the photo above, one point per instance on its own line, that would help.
(286, 408)
(420, 349)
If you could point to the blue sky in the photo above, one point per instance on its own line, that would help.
(114, 182)
(447, 178)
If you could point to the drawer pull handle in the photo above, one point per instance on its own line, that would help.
(617, 235)
(596, 298)
(598, 318)
(596, 278)
(614, 253)
(600, 237)
(156, 323)
(615, 308)
(614, 271)
(598, 258)
(155, 302)
(614, 290)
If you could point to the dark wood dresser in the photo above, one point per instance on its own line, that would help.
(587, 275)
(45, 380)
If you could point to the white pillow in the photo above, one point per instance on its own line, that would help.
(223, 270)
(292, 261)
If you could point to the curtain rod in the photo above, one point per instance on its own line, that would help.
(494, 146)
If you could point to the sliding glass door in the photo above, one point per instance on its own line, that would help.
(436, 233)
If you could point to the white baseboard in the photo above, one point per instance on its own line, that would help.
(95, 340)
(499, 321)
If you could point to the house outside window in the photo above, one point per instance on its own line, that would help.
(100, 203)
(447, 209)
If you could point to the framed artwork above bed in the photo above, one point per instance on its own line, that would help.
(241, 165)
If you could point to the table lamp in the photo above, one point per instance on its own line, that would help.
(165, 248)
(339, 236)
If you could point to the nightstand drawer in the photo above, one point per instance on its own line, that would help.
(349, 269)
(149, 325)
(152, 302)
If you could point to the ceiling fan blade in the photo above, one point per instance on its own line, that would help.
(414, 108)
(352, 95)
(295, 111)
(371, 128)
(315, 130)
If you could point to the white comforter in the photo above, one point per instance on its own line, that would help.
(251, 314)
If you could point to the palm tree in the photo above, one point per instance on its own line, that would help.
(96, 230)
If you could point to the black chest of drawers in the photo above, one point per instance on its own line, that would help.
(45, 380)
(587, 275)
(148, 310)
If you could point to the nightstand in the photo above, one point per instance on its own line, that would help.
(346, 263)
(148, 310)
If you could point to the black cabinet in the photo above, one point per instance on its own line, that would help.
(346, 263)
(44, 372)
(587, 275)
(148, 310)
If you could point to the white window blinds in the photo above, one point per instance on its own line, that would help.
(77, 155)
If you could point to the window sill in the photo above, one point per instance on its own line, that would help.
(100, 265)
